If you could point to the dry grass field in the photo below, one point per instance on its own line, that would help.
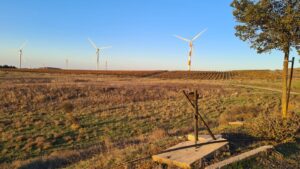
(89, 119)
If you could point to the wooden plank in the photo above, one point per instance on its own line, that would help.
(236, 123)
(186, 157)
(240, 157)
(202, 138)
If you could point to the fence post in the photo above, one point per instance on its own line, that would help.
(196, 115)
(290, 83)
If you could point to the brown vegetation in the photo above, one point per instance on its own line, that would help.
(271, 126)
(204, 75)
(123, 118)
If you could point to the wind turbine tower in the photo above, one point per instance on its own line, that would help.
(21, 53)
(98, 49)
(67, 63)
(191, 44)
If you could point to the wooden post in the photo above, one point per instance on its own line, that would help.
(196, 115)
(284, 88)
(290, 84)
(199, 115)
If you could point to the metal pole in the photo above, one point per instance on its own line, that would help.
(290, 83)
(196, 116)
(67, 64)
(98, 62)
(20, 58)
(98, 53)
(106, 64)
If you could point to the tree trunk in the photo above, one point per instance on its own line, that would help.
(284, 84)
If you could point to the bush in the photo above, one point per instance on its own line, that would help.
(7, 67)
(238, 113)
(157, 134)
(68, 107)
(273, 127)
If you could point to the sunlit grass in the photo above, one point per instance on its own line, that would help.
(44, 114)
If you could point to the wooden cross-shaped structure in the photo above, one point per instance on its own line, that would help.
(193, 98)
(189, 154)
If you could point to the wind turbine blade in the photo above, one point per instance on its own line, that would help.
(23, 45)
(105, 47)
(92, 43)
(197, 36)
(184, 39)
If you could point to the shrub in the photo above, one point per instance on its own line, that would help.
(272, 126)
(68, 107)
(238, 113)
(40, 140)
(7, 67)
(20, 138)
(157, 134)
(46, 145)
(75, 126)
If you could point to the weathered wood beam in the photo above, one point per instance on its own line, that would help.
(240, 157)
(201, 118)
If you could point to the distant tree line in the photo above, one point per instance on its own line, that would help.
(7, 67)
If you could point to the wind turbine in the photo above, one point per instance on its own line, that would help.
(21, 53)
(97, 51)
(67, 63)
(191, 46)
(106, 64)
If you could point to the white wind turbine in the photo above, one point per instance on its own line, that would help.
(191, 46)
(97, 51)
(67, 63)
(106, 64)
(21, 53)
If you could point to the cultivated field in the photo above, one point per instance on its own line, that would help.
(199, 75)
(101, 119)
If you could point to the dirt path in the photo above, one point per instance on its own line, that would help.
(263, 88)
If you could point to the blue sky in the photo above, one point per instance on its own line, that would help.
(140, 31)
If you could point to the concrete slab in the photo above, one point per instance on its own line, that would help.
(185, 155)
